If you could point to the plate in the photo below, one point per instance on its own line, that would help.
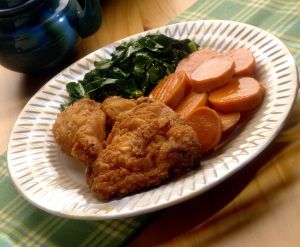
(48, 179)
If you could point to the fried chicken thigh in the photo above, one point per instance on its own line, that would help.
(80, 130)
(147, 145)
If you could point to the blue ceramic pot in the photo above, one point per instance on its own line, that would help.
(37, 35)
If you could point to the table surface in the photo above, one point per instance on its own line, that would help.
(261, 209)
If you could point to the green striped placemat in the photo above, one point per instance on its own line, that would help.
(279, 17)
(21, 224)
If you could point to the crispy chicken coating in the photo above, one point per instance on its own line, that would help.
(147, 145)
(80, 130)
(114, 105)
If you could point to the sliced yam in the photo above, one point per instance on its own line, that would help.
(244, 62)
(207, 124)
(194, 60)
(191, 102)
(229, 121)
(212, 73)
(172, 89)
(248, 113)
(240, 94)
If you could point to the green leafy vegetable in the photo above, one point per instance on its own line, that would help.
(134, 69)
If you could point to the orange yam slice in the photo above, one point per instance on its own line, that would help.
(194, 60)
(191, 102)
(229, 121)
(243, 60)
(207, 124)
(240, 94)
(212, 73)
(172, 89)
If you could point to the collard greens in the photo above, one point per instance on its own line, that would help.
(133, 70)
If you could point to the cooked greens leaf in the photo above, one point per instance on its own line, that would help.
(76, 90)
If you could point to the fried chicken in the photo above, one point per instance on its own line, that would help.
(114, 105)
(147, 145)
(80, 130)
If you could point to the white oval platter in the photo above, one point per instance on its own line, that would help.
(48, 179)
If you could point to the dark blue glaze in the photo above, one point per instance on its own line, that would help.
(5, 4)
(42, 36)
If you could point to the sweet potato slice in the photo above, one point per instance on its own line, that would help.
(191, 102)
(240, 94)
(194, 60)
(172, 89)
(212, 73)
(229, 121)
(243, 60)
(207, 124)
